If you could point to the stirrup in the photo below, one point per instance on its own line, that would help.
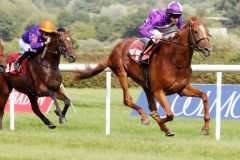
(2, 69)
(145, 62)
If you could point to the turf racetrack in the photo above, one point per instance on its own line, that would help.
(83, 136)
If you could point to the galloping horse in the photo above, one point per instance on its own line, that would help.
(169, 71)
(42, 78)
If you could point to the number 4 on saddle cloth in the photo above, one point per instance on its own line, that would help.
(136, 49)
(138, 55)
(13, 57)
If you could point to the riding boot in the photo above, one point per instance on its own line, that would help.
(17, 64)
(2, 68)
(147, 43)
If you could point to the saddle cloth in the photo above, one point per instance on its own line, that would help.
(13, 57)
(135, 49)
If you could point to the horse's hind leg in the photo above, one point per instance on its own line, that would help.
(36, 110)
(58, 110)
(122, 75)
(154, 113)
(191, 91)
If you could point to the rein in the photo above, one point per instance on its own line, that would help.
(193, 45)
(43, 55)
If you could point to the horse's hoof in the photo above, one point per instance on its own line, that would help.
(205, 131)
(51, 126)
(145, 121)
(62, 120)
(169, 134)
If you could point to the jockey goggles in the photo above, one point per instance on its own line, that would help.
(175, 16)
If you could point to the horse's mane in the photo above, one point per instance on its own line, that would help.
(194, 19)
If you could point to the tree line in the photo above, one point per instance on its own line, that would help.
(96, 21)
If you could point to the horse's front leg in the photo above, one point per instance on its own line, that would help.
(58, 110)
(161, 98)
(36, 110)
(191, 91)
(61, 96)
(154, 113)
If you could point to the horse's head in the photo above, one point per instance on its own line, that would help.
(64, 44)
(199, 36)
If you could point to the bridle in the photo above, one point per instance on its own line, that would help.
(61, 49)
(193, 45)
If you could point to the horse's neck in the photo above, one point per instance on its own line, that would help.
(182, 54)
(49, 59)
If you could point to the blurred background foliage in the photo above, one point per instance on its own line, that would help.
(97, 25)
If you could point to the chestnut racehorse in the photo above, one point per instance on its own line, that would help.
(169, 71)
(43, 77)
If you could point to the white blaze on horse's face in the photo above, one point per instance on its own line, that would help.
(202, 28)
(68, 39)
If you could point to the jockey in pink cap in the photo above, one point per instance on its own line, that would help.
(158, 22)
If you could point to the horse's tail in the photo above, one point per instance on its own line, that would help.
(90, 72)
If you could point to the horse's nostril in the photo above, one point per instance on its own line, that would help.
(208, 49)
(73, 57)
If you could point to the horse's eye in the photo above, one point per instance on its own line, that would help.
(195, 32)
(61, 41)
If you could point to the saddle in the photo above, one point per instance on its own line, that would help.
(136, 51)
(13, 57)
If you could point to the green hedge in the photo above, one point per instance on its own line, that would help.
(99, 81)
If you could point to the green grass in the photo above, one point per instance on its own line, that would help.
(83, 136)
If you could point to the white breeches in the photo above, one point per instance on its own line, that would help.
(25, 47)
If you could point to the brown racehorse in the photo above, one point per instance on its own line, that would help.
(169, 71)
(43, 77)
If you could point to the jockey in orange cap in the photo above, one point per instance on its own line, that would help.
(34, 39)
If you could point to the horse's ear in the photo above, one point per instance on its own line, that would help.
(55, 33)
(69, 29)
(61, 29)
(190, 21)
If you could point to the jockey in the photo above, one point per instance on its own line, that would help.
(34, 39)
(159, 19)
